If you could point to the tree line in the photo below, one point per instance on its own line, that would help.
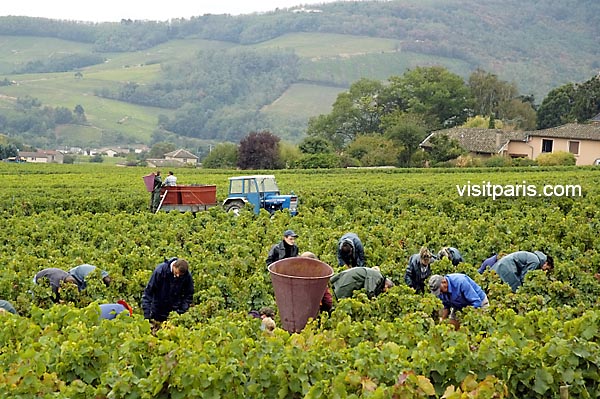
(382, 123)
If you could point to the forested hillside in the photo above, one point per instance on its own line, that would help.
(217, 77)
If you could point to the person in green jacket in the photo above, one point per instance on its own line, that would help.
(368, 278)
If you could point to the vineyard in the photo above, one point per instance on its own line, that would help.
(541, 342)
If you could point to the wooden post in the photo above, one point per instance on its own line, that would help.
(564, 392)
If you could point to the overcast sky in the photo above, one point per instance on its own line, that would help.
(156, 10)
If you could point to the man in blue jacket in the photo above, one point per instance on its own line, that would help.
(513, 267)
(170, 289)
(457, 291)
(350, 251)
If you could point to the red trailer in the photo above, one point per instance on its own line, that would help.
(184, 198)
(192, 198)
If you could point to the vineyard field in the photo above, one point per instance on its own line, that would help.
(535, 343)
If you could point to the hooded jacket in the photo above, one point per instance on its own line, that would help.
(346, 282)
(357, 258)
(513, 267)
(166, 293)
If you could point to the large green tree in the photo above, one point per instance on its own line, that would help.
(440, 96)
(489, 92)
(556, 108)
(570, 103)
(407, 131)
(357, 111)
(374, 150)
(223, 156)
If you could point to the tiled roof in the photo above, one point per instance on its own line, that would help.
(486, 141)
(181, 153)
(39, 153)
(579, 131)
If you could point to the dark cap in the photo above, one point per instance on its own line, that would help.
(290, 233)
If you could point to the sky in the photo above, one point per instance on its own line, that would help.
(156, 10)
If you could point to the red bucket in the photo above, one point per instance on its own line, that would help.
(299, 284)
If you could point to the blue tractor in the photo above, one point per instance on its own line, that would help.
(261, 192)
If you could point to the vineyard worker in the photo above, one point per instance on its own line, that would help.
(155, 198)
(368, 278)
(110, 311)
(268, 319)
(489, 262)
(55, 277)
(171, 180)
(457, 291)
(6, 306)
(170, 289)
(286, 248)
(327, 301)
(452, 254)
(513, 267)
(350, 251)
(80, 273)
(418, 270)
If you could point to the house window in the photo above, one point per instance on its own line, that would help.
(574, 147)
(547, 145)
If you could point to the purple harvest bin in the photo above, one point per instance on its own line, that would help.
(299, 284)
(149, 182)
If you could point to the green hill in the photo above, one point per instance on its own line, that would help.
(216, 78)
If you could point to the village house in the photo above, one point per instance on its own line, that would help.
(42, 156)
(582, 140)
(182, 155)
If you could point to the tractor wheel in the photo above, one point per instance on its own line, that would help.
(235, 207)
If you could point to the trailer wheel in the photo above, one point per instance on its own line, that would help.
(235, 207)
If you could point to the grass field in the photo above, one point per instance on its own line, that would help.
(315, 45)
(303, 101)
(16, 51)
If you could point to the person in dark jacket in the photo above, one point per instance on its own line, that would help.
(286, 248)
(81, 272)
(55, 277)
(418, 270)
(155, 198)
(452, 254)
(350, 251)
(513, 267)
(170, 289)
(368, 278)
